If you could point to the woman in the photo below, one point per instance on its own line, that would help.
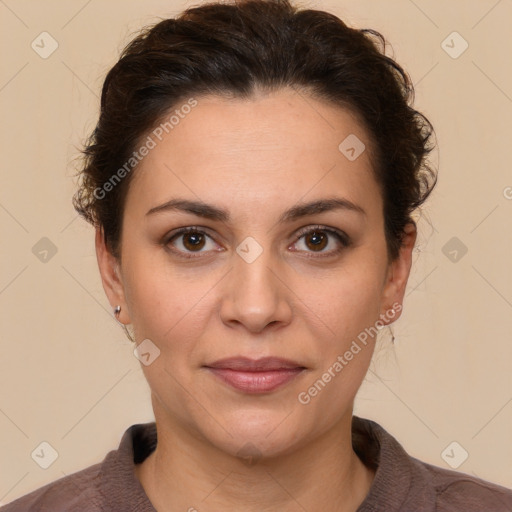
(251, 179)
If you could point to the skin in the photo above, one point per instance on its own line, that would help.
(255, 158)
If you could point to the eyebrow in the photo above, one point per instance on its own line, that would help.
(298, 211)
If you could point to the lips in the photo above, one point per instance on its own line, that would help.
(255, 365)
(256, 375)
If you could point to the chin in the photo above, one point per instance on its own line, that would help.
(255, 434)
(257, 447)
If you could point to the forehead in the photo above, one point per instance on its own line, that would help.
(267, 148)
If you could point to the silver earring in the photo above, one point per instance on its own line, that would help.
(117, 310)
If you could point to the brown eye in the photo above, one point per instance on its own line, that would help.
(189, 242)
(193, 241)
(317, 238)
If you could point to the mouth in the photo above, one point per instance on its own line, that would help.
(256, 375)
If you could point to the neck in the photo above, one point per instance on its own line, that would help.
(187, 473)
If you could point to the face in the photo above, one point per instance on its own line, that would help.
(259, 274)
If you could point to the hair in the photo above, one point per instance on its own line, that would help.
(234, 51)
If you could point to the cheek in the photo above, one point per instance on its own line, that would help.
(164, 311)
(160, 296)
(348, 306)
(346, 302)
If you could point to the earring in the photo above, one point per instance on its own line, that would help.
(392, 334)
(117, 310)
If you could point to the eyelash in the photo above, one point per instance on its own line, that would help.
(340, 235)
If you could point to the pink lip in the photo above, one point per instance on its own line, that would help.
(255, 376)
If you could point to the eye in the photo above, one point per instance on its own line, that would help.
(317, 238)
(188, 241)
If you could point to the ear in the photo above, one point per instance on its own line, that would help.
(397, 277)
(110, 276)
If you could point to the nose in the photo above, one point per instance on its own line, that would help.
(256, 295)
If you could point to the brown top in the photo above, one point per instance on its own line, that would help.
(401, 483)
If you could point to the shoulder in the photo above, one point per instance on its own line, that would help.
(68, 494)
(404, 483)
(107, 485)
(460, 491)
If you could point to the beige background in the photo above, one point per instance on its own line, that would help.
(67, 373)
